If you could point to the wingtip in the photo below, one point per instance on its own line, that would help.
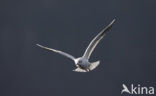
(112, 21)
(39, 45)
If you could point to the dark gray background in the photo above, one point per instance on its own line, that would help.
(127, 53)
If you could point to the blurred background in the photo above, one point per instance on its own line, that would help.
(127, 52)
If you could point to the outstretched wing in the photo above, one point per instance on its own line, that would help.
(57, 51)
(96, 40)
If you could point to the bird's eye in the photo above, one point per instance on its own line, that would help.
(80, 61)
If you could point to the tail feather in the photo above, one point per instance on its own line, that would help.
(79, 70)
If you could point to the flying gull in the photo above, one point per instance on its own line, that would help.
(82, 63)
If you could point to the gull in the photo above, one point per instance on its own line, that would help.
(82, 63)
(125, 89)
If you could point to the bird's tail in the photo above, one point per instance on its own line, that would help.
(79, 70)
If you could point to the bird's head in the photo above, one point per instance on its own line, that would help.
(78, 61)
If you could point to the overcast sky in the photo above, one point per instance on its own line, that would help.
(127, 53)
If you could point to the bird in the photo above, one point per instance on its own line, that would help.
(125, 89)
(82, 63)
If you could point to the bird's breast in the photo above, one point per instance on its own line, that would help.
(84, 65)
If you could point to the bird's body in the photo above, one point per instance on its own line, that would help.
(82, 63)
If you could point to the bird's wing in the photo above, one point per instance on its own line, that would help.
(57, 51)
(96, 40)
(94, 65)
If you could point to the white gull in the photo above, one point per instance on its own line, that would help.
(82, 63)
